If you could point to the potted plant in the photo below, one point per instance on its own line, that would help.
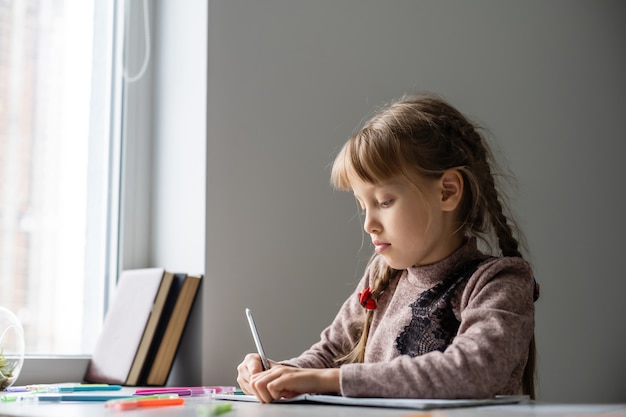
(11, 348)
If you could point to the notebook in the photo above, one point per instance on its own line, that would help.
(410, 403)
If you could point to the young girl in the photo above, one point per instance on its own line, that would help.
(433, 316)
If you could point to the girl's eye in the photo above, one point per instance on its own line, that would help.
(386, 203)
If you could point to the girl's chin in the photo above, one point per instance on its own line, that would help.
(395, 263)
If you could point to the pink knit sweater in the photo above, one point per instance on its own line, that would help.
(486, 357)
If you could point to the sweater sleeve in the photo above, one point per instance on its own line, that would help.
(487, 354)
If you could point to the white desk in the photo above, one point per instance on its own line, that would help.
(241, 409)
(245, 409)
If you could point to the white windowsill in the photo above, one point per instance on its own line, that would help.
(53, 369)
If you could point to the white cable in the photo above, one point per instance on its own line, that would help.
(146, 59)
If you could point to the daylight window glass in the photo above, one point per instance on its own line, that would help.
(55, 161)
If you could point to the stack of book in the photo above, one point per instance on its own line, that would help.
(143, 328)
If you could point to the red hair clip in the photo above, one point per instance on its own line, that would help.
(366, 300)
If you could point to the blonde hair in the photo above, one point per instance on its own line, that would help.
(423, 134)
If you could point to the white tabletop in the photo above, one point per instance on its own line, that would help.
(189, 409)
(247, 409)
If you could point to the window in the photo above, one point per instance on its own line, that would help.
(58, 169)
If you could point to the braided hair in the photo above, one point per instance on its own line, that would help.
(423, 134)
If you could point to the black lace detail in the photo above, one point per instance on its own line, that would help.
(433, 324)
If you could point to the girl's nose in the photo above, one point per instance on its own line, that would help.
(371, 224)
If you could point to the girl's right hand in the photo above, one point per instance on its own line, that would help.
(251, 365)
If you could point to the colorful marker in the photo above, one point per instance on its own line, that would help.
(153, 402)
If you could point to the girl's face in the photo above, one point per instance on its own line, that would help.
(407, 227)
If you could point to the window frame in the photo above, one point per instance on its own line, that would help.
(38, 368)
(152, 222)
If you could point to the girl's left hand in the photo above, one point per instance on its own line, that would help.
(285, 382)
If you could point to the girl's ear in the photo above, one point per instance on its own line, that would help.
(451, 184)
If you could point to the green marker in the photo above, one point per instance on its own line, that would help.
(216, 410)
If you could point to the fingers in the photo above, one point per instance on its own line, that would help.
(283, 381)
(279, 382)
(287, 381)
(250, 366)
(264, 384)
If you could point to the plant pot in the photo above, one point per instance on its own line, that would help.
(11, 348)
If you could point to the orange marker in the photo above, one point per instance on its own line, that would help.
(156, 402)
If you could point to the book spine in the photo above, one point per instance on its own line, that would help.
(166, 353)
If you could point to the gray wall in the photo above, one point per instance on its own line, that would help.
(288, 81)
(179, 148)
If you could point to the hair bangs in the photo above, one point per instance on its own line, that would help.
(366, 157)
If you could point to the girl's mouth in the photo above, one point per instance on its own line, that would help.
(379, 247)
